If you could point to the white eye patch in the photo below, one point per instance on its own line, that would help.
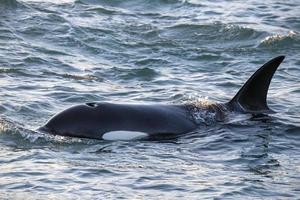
(124, 135)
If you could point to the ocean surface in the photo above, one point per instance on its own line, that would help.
(58, 53)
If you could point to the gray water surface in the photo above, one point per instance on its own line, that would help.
(55, 54)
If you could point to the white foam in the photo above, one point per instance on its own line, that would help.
(124, 135)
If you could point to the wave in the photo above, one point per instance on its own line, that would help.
(210, 32)
(8, 3)
(121, 3)
(145, 73)
(87, 77)
(290, 40)
(103, 10)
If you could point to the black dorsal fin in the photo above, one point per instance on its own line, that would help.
(252, 97)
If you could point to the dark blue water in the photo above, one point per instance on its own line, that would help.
(55, 54)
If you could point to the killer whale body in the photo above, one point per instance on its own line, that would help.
(110, 121)
(94, 120)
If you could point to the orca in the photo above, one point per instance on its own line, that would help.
(110, 121)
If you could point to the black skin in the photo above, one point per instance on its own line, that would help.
(92, 120)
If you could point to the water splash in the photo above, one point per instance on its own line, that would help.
(291, 39)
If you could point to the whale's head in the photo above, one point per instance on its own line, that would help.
(75, 121)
